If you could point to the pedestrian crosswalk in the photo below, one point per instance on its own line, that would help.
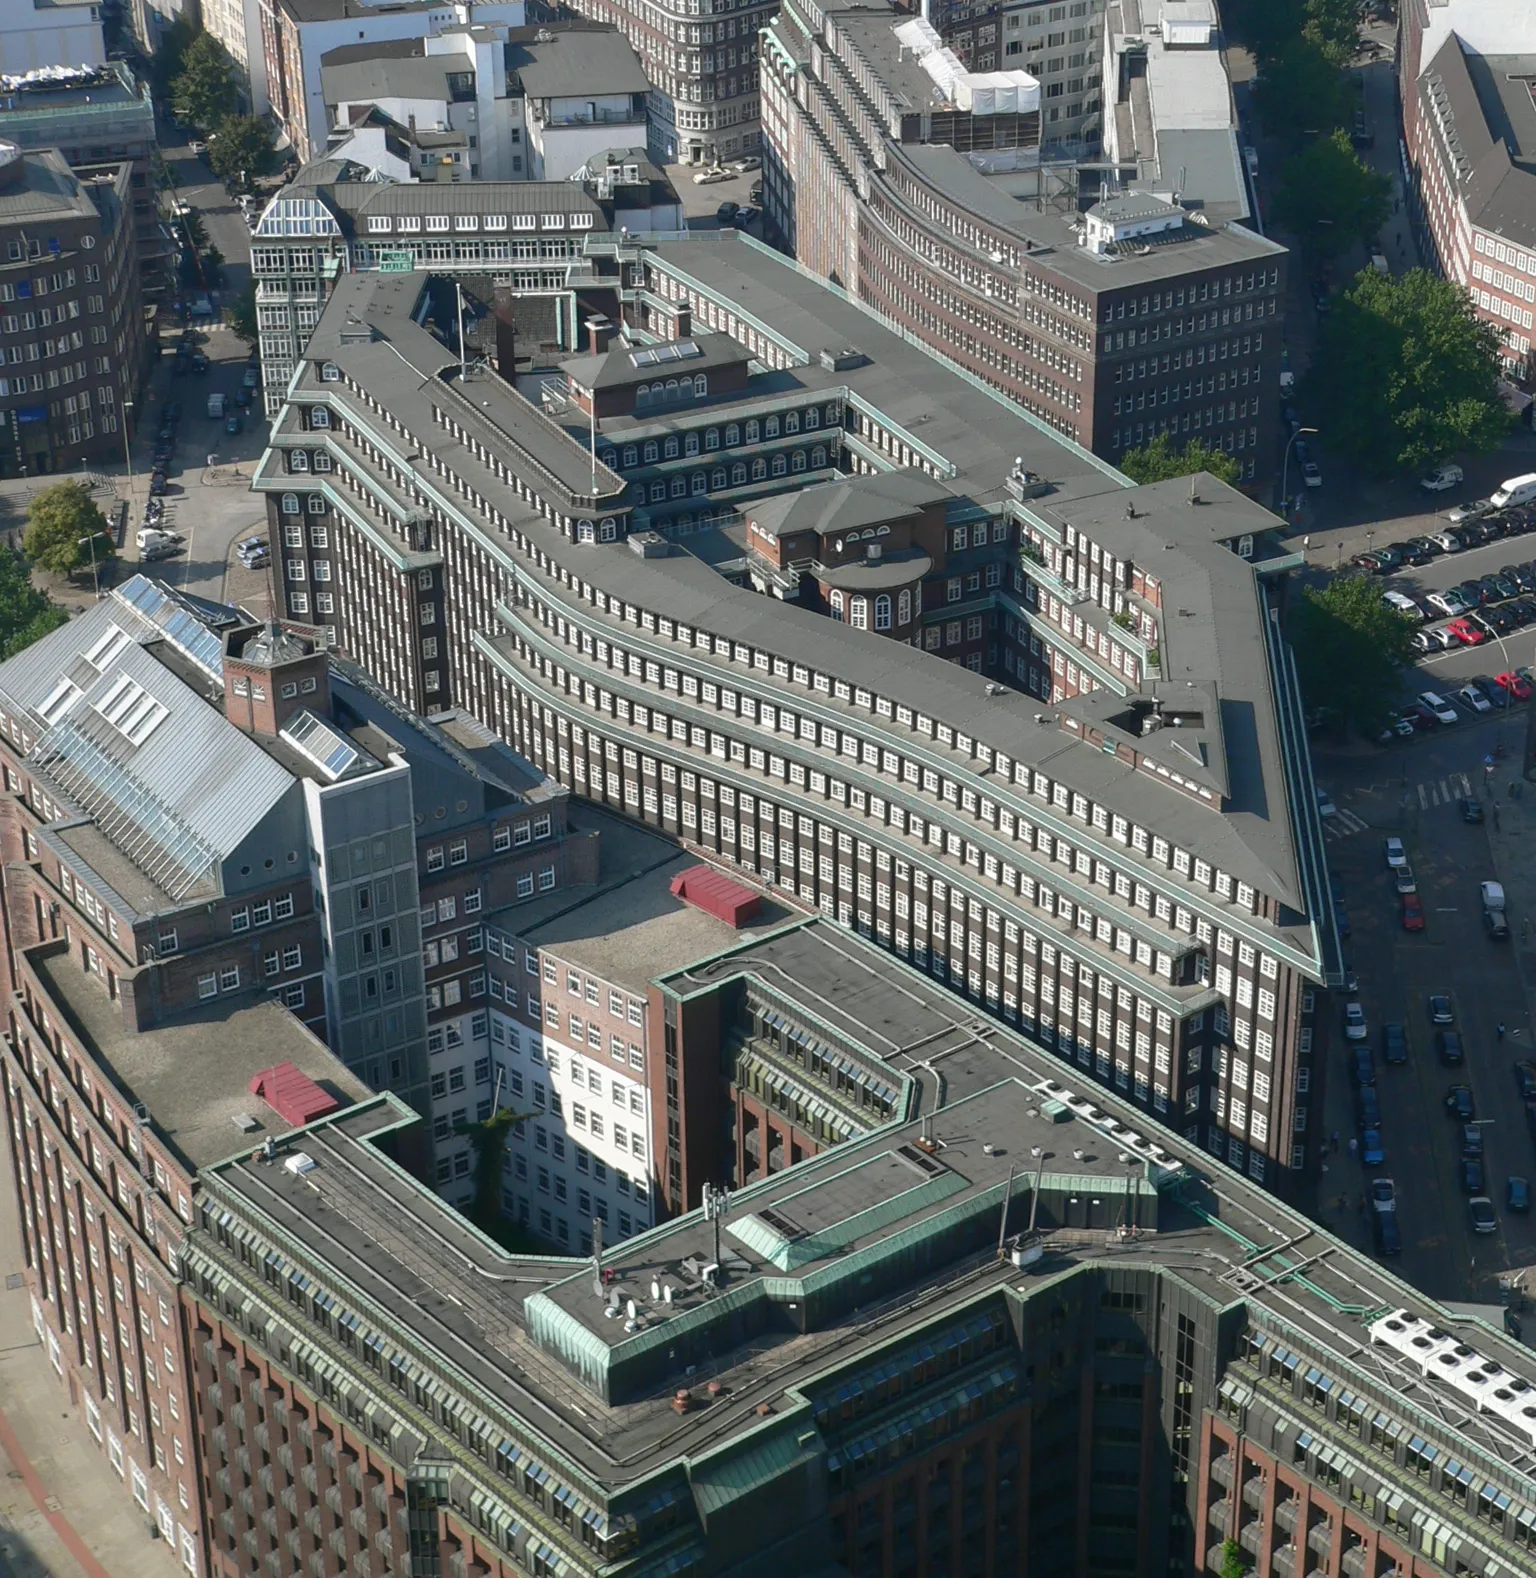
(1455, 786)
(1430, 793)
(1343, 824)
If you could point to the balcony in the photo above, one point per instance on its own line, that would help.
(1253, 1492)
(1221, 1470)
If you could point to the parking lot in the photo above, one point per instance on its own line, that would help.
(1413, 790)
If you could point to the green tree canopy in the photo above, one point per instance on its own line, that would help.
(59, 518)
(242, 314)
(207, 89)
(169, 57)
(1267, 26)
(241, 148)
(1333, 28)
(1406, 375)
(1328, 199)
(26, 614)
(1235, 1561)
(1350, 649)
(1158, 460)
(1300, 92)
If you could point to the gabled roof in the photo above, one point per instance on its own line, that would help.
(846, 505)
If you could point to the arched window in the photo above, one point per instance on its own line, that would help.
(819, 456)
(319, 416)
(290, 504)
(671, 388)
(643, 394)
(608, 528)
(752, 431)
(679, 487)
(298, 460)
(651, 451)
(330, 372)
(791, 421)
(770, 427)
(812, 418)
(904, 608)
(717, 477)
(631, 454)
(882, 612)
(837, 607)
(322, 460)
(609, 457)
(584, 531)
(732, 435)
(738, 474)
(316, 504)
(759, 469)
(658, 492)
(858, 613)
(780, 465)
(700, 482)
(669, 448)
(690, 443)
(712, 438)
(700, 386)
(797, 460)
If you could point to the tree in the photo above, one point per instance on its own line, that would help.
(1406, 374)
(206, 90)
(1328, 199)
(60, 523)
(242, 315)
(170, 57)
(1235, 1561)
(1158, 460)
(1300, 92)
(241, 148)
(26, 614)
(1350, 650)
(1333, 28)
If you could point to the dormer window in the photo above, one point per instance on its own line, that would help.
(319, 417)
(330, 373)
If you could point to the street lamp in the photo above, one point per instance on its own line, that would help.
(1285, 469)
(95, 576)
(127, 406)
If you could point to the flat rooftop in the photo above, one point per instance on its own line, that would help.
(193, 1073)
(534, 1335)
(628, 926)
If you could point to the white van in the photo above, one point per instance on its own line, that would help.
(156, 544)
(1514, 490)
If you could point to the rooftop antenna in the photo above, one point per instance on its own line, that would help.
(1002, 1226)
(597, 1256)
(717, 1202)
(458, 299)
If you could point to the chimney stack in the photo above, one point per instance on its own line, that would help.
(599, 334)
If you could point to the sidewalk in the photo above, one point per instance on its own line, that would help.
(63, 1511)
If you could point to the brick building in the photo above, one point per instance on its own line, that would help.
(1007, 1326)
(1138, 904)
(1469, 127)
(1111, 325)
(71, 327)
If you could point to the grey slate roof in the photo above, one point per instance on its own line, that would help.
(396, 69)
(46, 189)
(846, 504)
(574, 63)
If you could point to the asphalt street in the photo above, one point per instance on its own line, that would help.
(1412, 790)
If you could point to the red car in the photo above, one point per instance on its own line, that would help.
(1517, 685)
(1413, 912)
(1469, 634)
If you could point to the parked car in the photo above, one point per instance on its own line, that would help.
(1459, 1103)
(1441, 1011)
(750, 162)
(1354, 1022)
(1471, 1139)
(1362, 1069)
(253, 551)
(1441, 479)
(197, 148)
(1389, 1236)
(1525, 1079)
(1513, 685)
(1372, 1153)
(1367, 1108)
(710, 177)
(1473, 699)
(1451, 603)
(1310, 474)
(1383, 1193)
(1444, 712)
(1467, 632)
(1517, 1194)
(1394, 1044)
(1480, 1209)
(234, 423)
(1403, 603)
(1460, 512)
(746, 216)
(1395, 853)
(1448, 1047)
(1473, 1180)
(1406, 882)
(1412, 913)
(1450, 540)
(1471, 809)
